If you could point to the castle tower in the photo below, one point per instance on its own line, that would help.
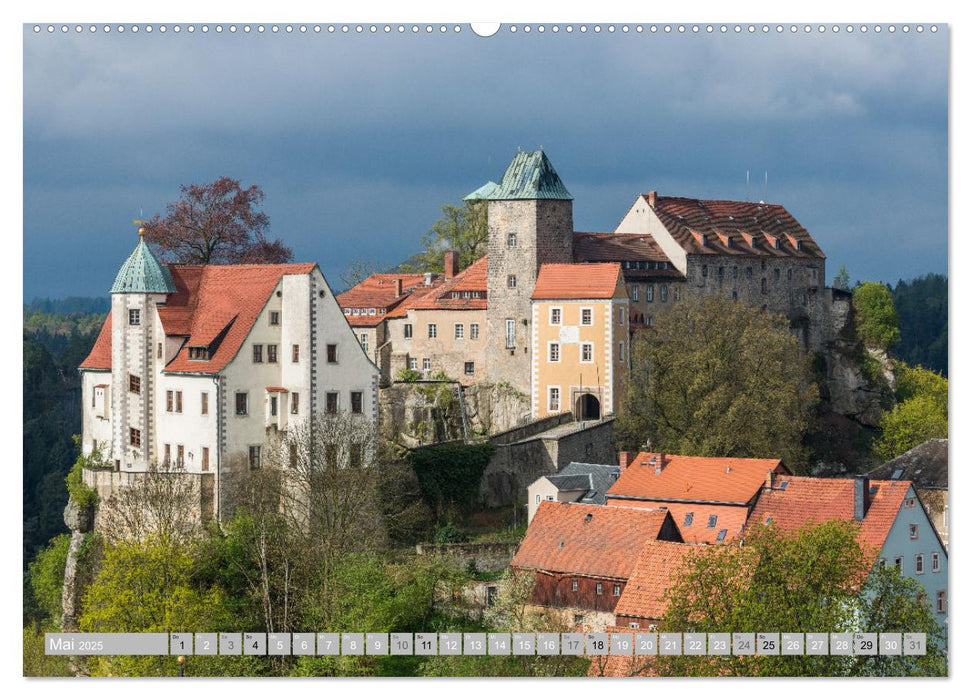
(141, 283)
(530, 223)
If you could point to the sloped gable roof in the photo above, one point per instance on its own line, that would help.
(694, 479)
(658, 568)
(100, 355)
(811, 501)
(587, 539)
(577, 281)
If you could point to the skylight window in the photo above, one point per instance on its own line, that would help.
(721, 535)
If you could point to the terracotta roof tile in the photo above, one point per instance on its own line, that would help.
(100, 355)
(378, 292)
(587, 539)
(728, 525)
(620, 247)
(577, 281)
(658, 568)
(809, 500)
(694, 479)
(751, 226)
(451, 295)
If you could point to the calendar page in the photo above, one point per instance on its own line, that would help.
(523, 349)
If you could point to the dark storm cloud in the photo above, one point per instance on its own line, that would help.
(357, 140)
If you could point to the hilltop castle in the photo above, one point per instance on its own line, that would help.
(197, 365)
(550, 310)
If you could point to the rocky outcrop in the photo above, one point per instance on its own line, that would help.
(80, 520)
(847, 389)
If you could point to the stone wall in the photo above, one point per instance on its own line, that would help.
(544, 234)
(793, 287)
(516, 465)
(109, 483)
(485, 556)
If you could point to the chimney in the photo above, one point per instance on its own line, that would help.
(397, 287)
(861, 497)
(451, 263)
(769, 475)
(651, 196)
(624, 459)
(428, 279)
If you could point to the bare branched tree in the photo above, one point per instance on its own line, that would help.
(162, 502)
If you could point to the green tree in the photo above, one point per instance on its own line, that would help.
(715, 377)
(146, 586)
(463, 228)
(817, 579)
(877, 324)
(920, 415)
(46, 580)
(842, 279)
(922, 307)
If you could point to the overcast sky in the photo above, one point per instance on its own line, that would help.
(357, 140)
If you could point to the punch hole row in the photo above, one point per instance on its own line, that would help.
(456, 29)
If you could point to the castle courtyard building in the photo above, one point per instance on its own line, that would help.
(197, 366)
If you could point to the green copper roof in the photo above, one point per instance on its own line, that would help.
(142, 273)
(481, 193)
(530, 176)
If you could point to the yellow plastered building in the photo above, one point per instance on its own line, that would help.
(580, 340)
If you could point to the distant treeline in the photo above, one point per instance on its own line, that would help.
(922, 309)
(86, 305)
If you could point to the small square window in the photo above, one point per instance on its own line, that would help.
(413, 363)
(470, 368)
(134, 384)
(459, 331)
(134, 317)
(586, 317)
(432, 330)
(688, 519)
(135, 437)
(913, 531)
(274, 318)
(556, 316)
(511, 281)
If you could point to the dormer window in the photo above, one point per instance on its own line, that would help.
(198, 352)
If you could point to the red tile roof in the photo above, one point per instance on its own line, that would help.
(577, 281)
(623, 248)
(450, 295)
(100, 355)
(210, 302)
(731, 519)
(694, 479)
(378, 292)
(588, 540)
(808, 500)
(751, 226)
(658, 568)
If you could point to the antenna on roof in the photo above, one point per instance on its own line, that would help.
(747, 194)
(765, 193)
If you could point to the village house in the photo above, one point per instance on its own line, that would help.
(924, 466)
(197, 366)
(894, 528)
(582, 556)
(577, 482)
(483, 329)
(710, 498)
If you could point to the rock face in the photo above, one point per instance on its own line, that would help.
(422, 413)
(77, 518)
(849, 392)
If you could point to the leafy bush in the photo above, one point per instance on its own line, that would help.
(449, 532)
(408, 375)
(46, 577)
(449, 473)
(877, 324)
(83, 495)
